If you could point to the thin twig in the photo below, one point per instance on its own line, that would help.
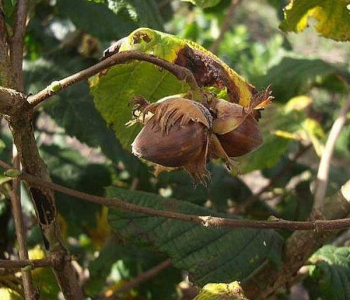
(140, 279)
(17, 42)
(29, 291)
(119, 58)
(23, 263)
(323, 169)
(225, 26)
(206, 221)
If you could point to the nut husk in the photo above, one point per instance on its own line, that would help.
(228, 116)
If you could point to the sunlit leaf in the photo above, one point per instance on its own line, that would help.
(207, 68)
(9, 294)
(113, 91)
(333, 17)
(219, 291)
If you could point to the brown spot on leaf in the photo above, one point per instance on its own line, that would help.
(208, 71)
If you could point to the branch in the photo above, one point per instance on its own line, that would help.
(29, 291)
(24, 263)
(207, 221)
(119, 58)
(323, 169)
(143, 277)
(17, 42)
(225, 26)
(44, 204)
(12, 102)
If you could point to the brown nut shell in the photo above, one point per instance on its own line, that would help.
(243, 140)
(178, 147)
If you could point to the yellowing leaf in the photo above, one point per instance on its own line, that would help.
(221, 291)
(313, 131)
(333, 17)
(298, 103)
(181, 52)
(286, 134)
(8, 294)
(43, 278)
(115, 287)
(102, 230)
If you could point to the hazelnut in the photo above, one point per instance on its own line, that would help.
(242, 140)
(176, 135)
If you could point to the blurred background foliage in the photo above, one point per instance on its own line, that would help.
(307, 74)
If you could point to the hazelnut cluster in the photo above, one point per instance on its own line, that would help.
(181, 133)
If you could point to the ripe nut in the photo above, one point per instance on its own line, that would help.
(177, 135)
(243, 140)
(236, 127)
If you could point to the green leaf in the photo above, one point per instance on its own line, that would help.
(97, 19)
(209, 254)
(203, 3)
(279, 128)
(9, 8)
(329, 275)
(332, 16)
(267, 156)
(295, 76)
(219, 291)
(12, 173)
(74, 110)
(146, 13)
(113, 91)
(2, 145)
